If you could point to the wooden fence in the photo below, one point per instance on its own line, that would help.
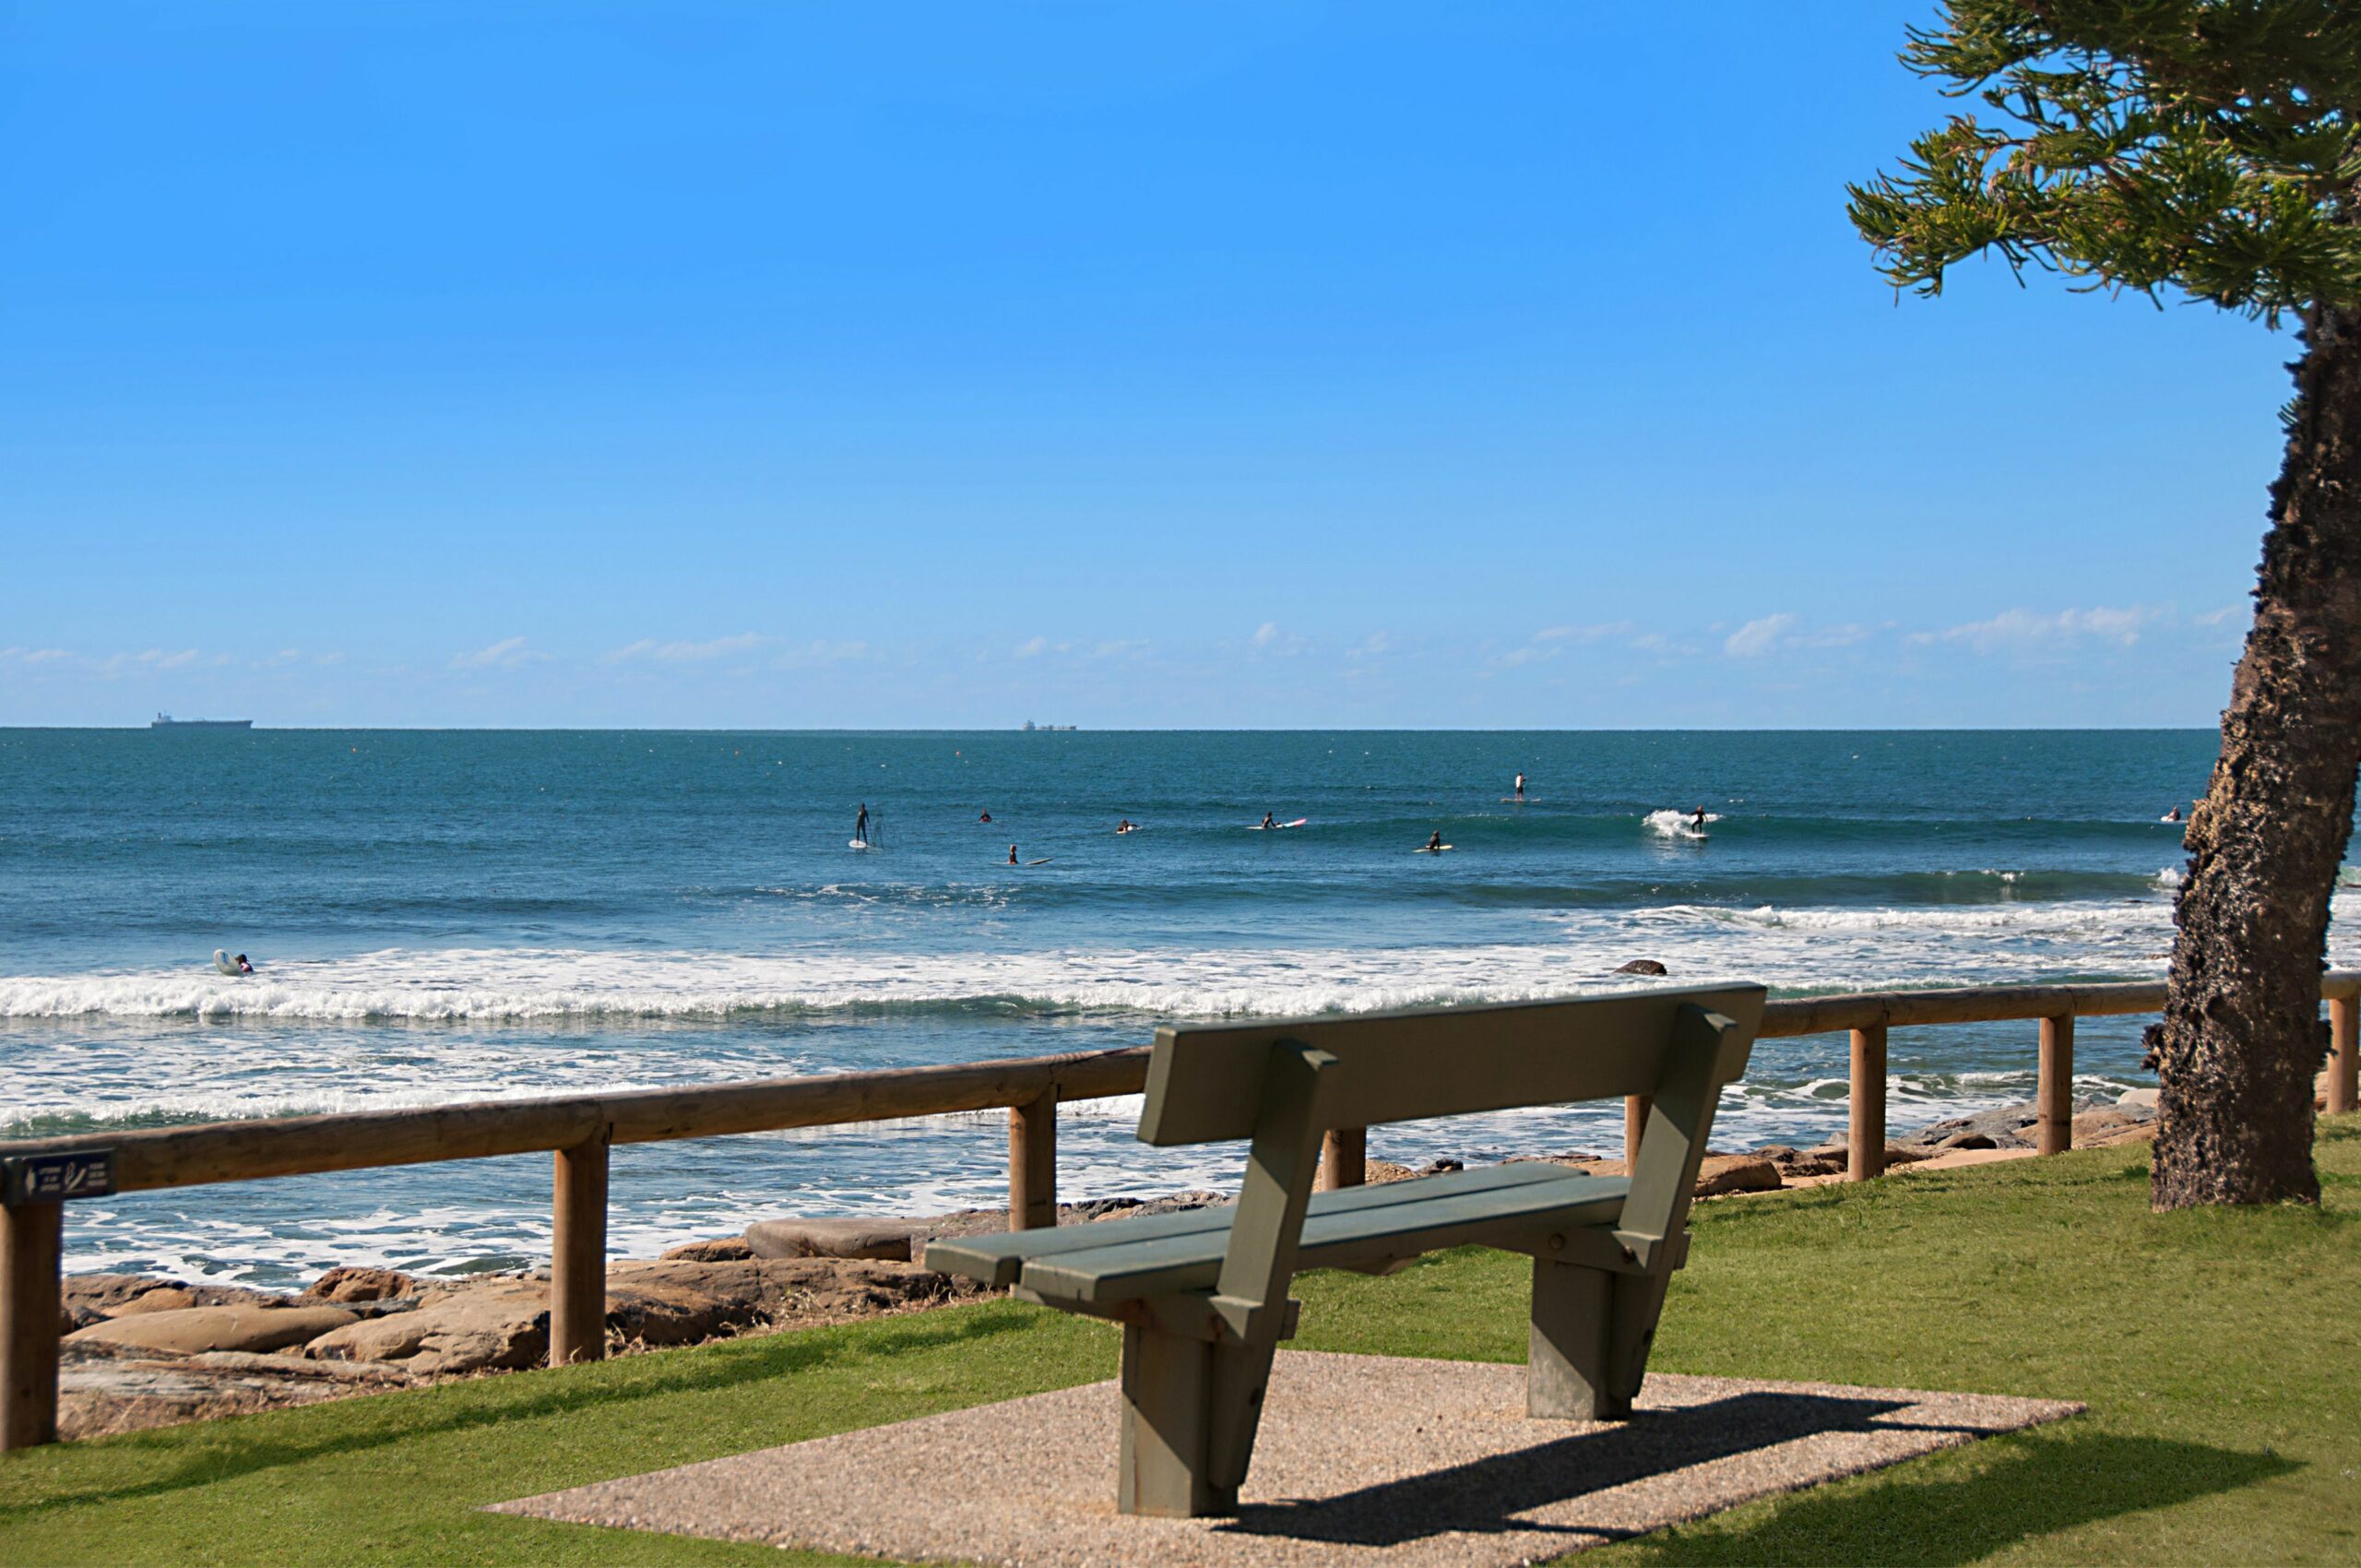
(43, 1174)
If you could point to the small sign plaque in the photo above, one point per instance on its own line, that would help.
(53, 1178)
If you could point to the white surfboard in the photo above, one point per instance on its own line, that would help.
(1432, 849)
(860, 844)
(223, 962)
(1297, 823)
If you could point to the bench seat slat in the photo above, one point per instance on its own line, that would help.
(1126, 1270)
(997, 1259)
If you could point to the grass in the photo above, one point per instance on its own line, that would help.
(2217, 1351)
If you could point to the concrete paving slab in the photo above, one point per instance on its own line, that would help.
(1362, 1459)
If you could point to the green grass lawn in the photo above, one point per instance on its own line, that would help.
(2220, 1353)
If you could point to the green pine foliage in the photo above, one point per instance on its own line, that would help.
(2207, 146)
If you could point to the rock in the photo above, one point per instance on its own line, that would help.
(682, 1301)
(1778, 1154)
(2113, 1124)
(498, 1325)
(89, 1297)
(1642, 966)
(1377, 1172)
(363, 1285)
(2009, 1126)
(884, 1240)
(1438, 1167)
(1968, 1140)
(1736, 1174)
(2140, 1099)
(185, 1331)
(1794, 1169)
(733, 1250)
(1838, 1156)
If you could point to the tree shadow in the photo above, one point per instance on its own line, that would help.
(2036, 1487)
(242, 1445)
(2034, 1484)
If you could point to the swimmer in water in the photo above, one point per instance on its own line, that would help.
(986, 817)
(244, 967)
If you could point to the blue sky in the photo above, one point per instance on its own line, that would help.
(1287, 364)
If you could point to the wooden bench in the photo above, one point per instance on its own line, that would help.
(1203, 1295)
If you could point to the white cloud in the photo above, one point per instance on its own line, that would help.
(1590, 634)
(1034, 647)
(1371, 646)
(1759, 637)
(2215, 617)
(506, 654)
(154, 659)
(2023, 629)
(1776, 634)
(1266, 633)
(33, 654)
(685, 652)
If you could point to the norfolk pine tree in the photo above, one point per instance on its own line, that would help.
(2205, 148)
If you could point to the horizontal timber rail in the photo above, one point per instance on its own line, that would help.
(581, 1129)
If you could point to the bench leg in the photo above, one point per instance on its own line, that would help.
(1569, 1374)
(1166, 1428)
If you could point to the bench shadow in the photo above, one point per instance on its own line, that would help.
(242, 1445)
(1488, 1496)
(2044, 1482)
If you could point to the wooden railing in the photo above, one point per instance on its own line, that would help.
(45, 1173)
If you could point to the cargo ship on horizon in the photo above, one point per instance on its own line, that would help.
(166, 721)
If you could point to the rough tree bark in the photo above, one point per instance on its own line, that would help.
(2241, 1039)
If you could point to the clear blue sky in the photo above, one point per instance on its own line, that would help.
(1291, 364)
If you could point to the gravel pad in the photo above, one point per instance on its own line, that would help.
(1422, 1462)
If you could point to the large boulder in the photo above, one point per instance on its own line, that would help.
(1642, 966)
(680, 1301)
(731, 1249)
(884, 1239)
(363, 1285)
(86, 1299)
(188, 1331)
(495, 1324)
(1719, 1173)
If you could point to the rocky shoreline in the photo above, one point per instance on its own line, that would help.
(140, 1351)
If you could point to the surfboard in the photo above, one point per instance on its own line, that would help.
(860, 844)
(1516, 800)
(223, 962)
(1297, 823)
(1042, 862)
(1432, 849)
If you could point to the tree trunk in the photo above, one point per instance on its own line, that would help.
(2241, 1039)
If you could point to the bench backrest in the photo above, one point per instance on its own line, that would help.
(1205, 1083)
(1286, 1084)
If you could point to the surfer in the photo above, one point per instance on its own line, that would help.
(860, 827)
(1434, 842)
(1697, 819)
(986, 817)
(1270, 819)
(1520, 786)
(2173, 815)
(1125, 826)
(245, 965)
(1011, 854)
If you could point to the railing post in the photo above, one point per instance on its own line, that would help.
(2344, 1054)
(2054, 1096)
(29, 1245)
(578, 1253)
(1344, 1158)
(1033, 1164)
(1635, 1122)
(1865, 1128)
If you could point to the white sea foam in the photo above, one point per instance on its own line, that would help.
(1676, 824)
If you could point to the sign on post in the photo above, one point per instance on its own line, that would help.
(53, 1178)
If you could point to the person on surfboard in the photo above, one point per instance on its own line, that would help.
(1697, 819)
(860, 827)
(1270, 819)
(986, 817)
(1124, 825)
(1520, 787)
(1011, 854)
(1434, 842)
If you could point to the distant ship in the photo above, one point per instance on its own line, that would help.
(166, 721)
(1033, 729)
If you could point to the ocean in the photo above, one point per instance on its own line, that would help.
(441, 916)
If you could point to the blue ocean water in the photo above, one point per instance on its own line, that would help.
(444, 916)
